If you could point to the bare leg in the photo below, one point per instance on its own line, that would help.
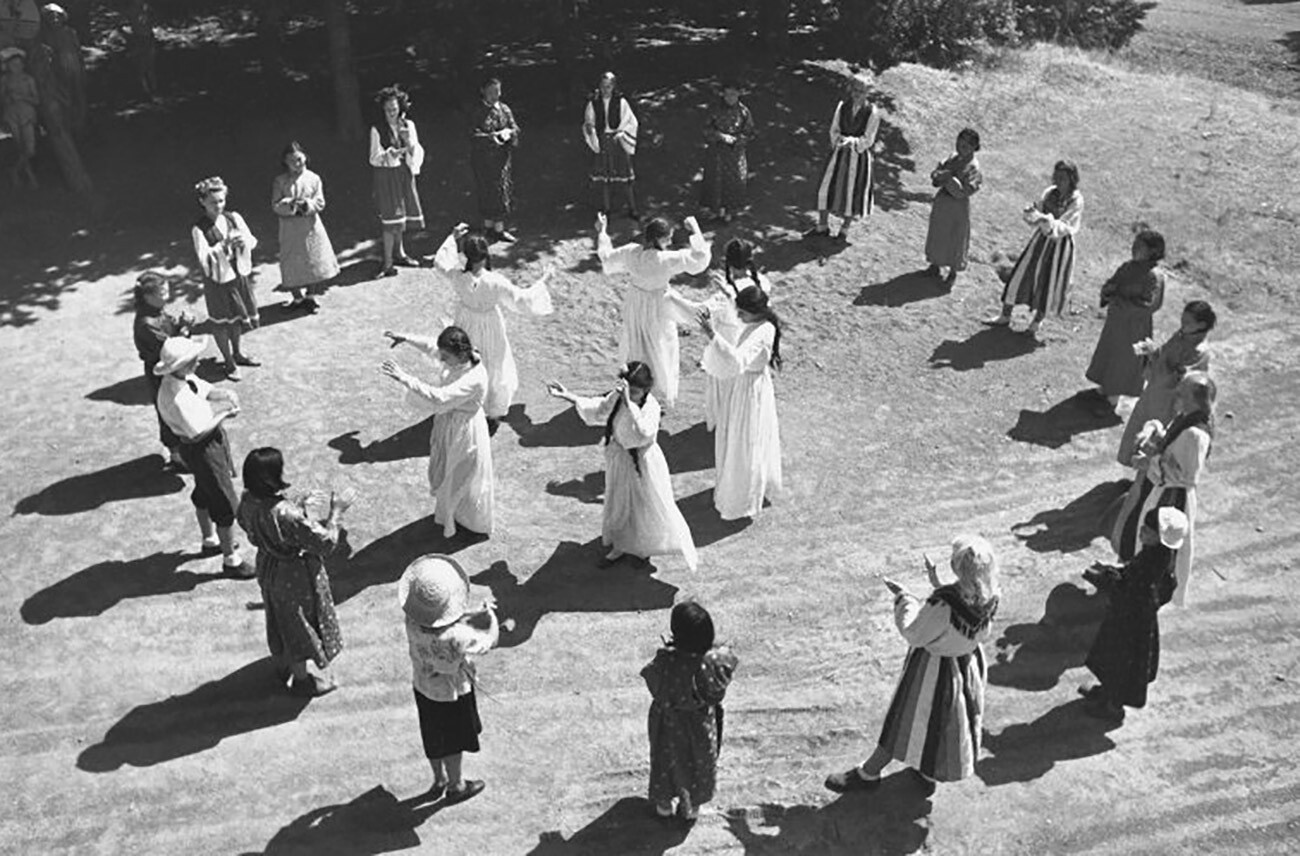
(452, 763)
(604, 189)
(229, 549)
(206, 530)
(439, 773)
(222, 335)
(399, 249)
(388, 248)
(235, 335)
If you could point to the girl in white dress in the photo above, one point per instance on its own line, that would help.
(738, 271)
(460, 453)
(652, 309)
(640, 517)
(747, 441)
(481, 293)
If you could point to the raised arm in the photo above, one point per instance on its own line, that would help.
(724, 360)
(533, 300)
(645, 418)
(921, 623)
(315, 536)
(594, 410)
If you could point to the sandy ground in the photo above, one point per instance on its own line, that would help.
(139, 713)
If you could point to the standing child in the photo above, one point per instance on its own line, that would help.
(958, 178)
(1131, 297)
(153, 326)
(1041, 276)
(18, 99)
(687, 679)
(306, 254)
(726, 168)
(443, 636)
(224, 247)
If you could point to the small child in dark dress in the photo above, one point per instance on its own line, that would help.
(153, 326)
(1131, 297)
(687, 679)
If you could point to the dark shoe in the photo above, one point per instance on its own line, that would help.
(246, 360)
(233, 373)
(950, 280)
(469, 789)
(310, 304)
(388, 271)
(852, 780)
(405, 261)
(312, 687)
(175, 465)
(1092, 692)
(932, 270)
(493, 425)
(242, 571)
(210, 548)
(435, 792)
(818, 232)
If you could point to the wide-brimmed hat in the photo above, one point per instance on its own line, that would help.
(10, 52)
(177, 351)
(1173, 527)
(434, 591)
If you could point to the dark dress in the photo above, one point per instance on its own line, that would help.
(726, 168)
(300, 620)
(685, 722)
(1126, 653)
(491, 161)
(1132, 296)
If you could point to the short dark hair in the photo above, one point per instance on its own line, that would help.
(456, 341)
(691, 627)
(971, 136)
(488, 81)
(1203, 313)
(1071, 169)
(264, 473)
(294, 146)
(657, 230)
(1153, 241)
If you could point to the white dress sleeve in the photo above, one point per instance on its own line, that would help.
(206, 253)
(589, 135)
(628, 127)
(445, 397)
(415, 153)
(1182, 462)
(920, 622)
(868, 138)
(448, 257)
(378, 155)
(1069, 221)
(612, 260)
(693, 260)
(645, 421)
(533, 300)
(836, 136)
(594, 409)
(725, 360)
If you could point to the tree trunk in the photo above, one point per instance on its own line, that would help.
(347, 90)
(142, 46)
(270, 37)
(52, 116)
(774, 25)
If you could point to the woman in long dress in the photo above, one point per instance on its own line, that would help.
(747, 440)
(652, 308)
(460, 450)
(1131, 297)
(481, 294)
(301, 624)
(726, 167)
(609, 128)
(397, 157)
(495, 135)
(739, 271)
(306, 254)
(1040, 278)
(847, 185)
(947, 241)
(1170, 460)
(935, 721)
(640, 516)
(1164, 368)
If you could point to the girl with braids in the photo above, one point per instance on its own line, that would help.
(640, 517)
(738, 271)
(1169, 460)
(460, 453)
(397, 156)
(747, 441)
(463, 263)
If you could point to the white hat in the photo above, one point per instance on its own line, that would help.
(54, 9)
(1173, 527)
(10, 52)
(434, 591)
(177, 351)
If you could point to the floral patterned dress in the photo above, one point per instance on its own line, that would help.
(490, 159)
(726, 169)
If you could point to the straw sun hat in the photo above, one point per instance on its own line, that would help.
(1173, 527)
(177, 351)
(434, 591)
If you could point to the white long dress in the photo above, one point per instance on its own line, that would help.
(460, 450)
(640, 515)
(652, 308)
(480, 298)
(747, 439)
(726, 325)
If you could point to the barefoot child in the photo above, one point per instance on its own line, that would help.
(443, 636)
(688, 680)
(153, 326)
(958, 178)
(1132, 296)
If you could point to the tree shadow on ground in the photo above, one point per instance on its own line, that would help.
(988, 345)
(411, 442)
(248, 699)
(375, 822)
(383, 560)
(707, 526)
(1024, 752)
(888, 820)
(628, 828)
(1082, 412)
(138, 478)
(96, 589)
(1074, 526)
(689, 450)
(131, 391)
(564, 429)
(905, 288)
(1033, 657)
(571, 580)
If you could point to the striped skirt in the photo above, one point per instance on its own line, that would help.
(847, 184)
(1041, 277)
(1141, 497)
(935, 720)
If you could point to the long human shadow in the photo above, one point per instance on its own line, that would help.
(571, 580)
(410, 442)
(1026, 751)
(589, 489)
(1034, 656)
(564, 429)
(383, 560)
(1080, 413)
(888, 820)
(903, 289)
(131, 391)
(103, 585)
(988, 345)
(248, 699)
(689, 450)
(706, 525)
(138, 478)
(627, 827)
(1073, 526)
(372, 823)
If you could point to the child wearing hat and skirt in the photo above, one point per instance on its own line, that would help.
(443, 637)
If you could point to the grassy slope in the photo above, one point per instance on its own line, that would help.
(890, 456)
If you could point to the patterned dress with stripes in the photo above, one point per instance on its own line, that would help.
(936, 718)
(846, 189)
(1041, 277)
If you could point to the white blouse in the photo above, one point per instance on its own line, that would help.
(221, 262)
(390, 158)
